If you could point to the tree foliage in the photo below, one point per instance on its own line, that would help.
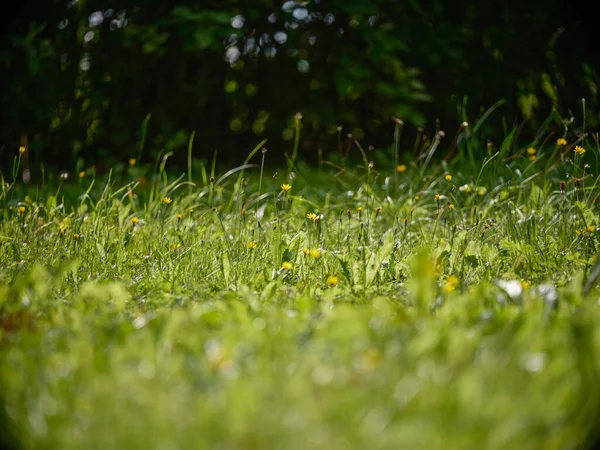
(81, 76)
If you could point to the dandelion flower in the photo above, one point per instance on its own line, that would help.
(306, 251)
(312, 216)
(132, 161)
(315, 253)
(437, 197)
(286, 187)
(75, 236)
(561, 141)
(21, 149)
(166, 200)
(591, 228)
(524, 285)
(287, 265)
(532, 158)
(134, 220)
(451, 206)
(579, 150)
(448, 177)
(452, 280)
(81, 174)
(252, 245)
(448, 287)
(417, 197)
(401, 168)
(332, 280)
(21, 209)
(179, 216)
(531, 151)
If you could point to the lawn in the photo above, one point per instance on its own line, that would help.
(375, 301)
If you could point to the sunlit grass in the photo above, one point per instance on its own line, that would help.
(382, 302)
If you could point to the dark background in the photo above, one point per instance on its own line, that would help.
(77, 92)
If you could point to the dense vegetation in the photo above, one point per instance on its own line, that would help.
(79, 77)
(388, 303)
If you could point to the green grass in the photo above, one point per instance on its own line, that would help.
(402, 320)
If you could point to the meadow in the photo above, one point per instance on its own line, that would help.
(429, 295)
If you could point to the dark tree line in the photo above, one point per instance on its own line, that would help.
(80, 77)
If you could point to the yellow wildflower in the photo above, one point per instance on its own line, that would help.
(448, 177)
(448, 287)
(21, 209)
(531, 151)
(306, 251)
(81, 174)
(452, 280)
(579, 150)
(561, 141)
(591, 228)
(437, 197)
(524, 285)
(401, 168)
(287, 265)
(315, 253)
(166, 200)
(179, 216)
(134, 220)
(252, 245)
(417, 197)
(21, 149)
(132, 161)
(332, 280)
(75, 236)
(311, 216)
(451, 206)
(532, 158)
(286, 187)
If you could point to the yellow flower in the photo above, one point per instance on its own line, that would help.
(579, 232)
(532, 158)
(591, 228)
(437, 197)
(524, 285)
(579, 150)
(417, 197)
(448, 177)
(134, 220)
(21, 209)
(75, 236)
(132, 162)
(21, 149)
(81, 174)
(306, 251)
(561, 141)
(451, 206)
(287, 265)
(448, 287)
(179, 216)
(166, 200)
(311, 216)
(176, 246)
(286, 187)
(531, 151)
(252, 245)
(332, 280)
(401, 168)
(452, 280)
(315, 253)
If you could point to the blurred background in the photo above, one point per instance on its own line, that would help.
(95, 82)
